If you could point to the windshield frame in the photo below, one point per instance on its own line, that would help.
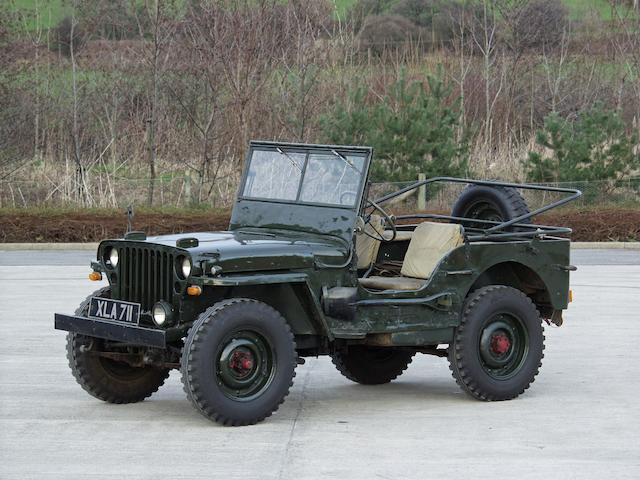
(308, 150)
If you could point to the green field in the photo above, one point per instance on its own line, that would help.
(46, 13)
(42, 13)
(577, 8)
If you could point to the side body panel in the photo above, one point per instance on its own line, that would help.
(536, 266)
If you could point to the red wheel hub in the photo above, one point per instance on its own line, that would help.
(241, 362)
(500, 343)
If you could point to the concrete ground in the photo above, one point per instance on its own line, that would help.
(580, 419)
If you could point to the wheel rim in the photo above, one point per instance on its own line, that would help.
(245, 365)
(484, 211)
(503, 346)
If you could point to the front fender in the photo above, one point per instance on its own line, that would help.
(290, 293)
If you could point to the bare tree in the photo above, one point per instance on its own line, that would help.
(202, 41)
(556, 72)
(302, 66)
(161, 28)
(484, 36)
(627, 45)
(80, 181)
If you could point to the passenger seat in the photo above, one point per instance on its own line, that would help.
(429, 244)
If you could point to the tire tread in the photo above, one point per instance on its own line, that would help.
(92, 385)
(193, 388)
(457, 360)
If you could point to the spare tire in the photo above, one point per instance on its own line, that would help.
(484, 202)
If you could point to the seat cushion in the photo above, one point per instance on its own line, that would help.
(367, 247)
(401, 235)
(429, 243)
(391, 283)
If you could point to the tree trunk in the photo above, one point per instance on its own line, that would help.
(80, 181)
(151, 127)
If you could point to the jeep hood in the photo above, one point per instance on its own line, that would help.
(258, 250)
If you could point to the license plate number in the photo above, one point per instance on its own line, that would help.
(115, 310)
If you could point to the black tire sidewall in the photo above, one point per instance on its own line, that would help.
(202, 348)
(466, 343)
(100, 381)
(509, 204)
(357, 365)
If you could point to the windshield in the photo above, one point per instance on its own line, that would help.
(331, 178)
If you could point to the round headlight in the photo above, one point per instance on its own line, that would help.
(186, 267)
(160, 313)
(113, 256)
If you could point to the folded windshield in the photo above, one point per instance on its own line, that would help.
(331, 178)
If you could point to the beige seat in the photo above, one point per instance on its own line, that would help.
(401, 235)
(366, 246)
(429, 244)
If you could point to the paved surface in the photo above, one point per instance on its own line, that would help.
(84, 257)
(580, 419)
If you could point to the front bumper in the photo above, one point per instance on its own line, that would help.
(118, 332)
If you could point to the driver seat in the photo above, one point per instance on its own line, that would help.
(429, 244)
(366, 246)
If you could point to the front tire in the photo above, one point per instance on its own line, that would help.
(238, 362)
(372, 365)
(498, 347)
(104, 378)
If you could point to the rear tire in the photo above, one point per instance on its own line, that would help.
(104, 378)
(498, 348)
(372, 365)
(238, 362)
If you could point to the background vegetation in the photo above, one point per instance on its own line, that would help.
(109, 102)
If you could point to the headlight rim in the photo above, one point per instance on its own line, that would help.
(183, 273)
(109, 257)
(167, 312)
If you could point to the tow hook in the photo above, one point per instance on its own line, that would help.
(556, 318)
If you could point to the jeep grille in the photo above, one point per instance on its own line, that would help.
(145, 275)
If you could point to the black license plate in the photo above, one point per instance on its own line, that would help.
(115, 310)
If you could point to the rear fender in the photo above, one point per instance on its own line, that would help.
(546, 297)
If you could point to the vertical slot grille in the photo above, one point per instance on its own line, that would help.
(145, 276)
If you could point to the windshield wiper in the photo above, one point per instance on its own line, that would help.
(293, 162)
(345, 160)
(249, 232)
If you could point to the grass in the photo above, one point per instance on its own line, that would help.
(578, 9)
(342, 7)
(40, 13)
(48, 13)
(196, 210)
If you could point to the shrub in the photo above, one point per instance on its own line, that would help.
(112, 19)
(434, 16)
(420, 12)
(361, 9)
(540, 23)
(63, 39)
(412, 130)
(596, 146)
(383, 32)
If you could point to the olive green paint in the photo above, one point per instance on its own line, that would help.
(286, 253)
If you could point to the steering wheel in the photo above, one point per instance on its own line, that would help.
(346, 193)
(388, 220)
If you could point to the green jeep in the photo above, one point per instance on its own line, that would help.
(311, 266)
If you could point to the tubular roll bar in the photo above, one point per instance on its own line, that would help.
(494, 231)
